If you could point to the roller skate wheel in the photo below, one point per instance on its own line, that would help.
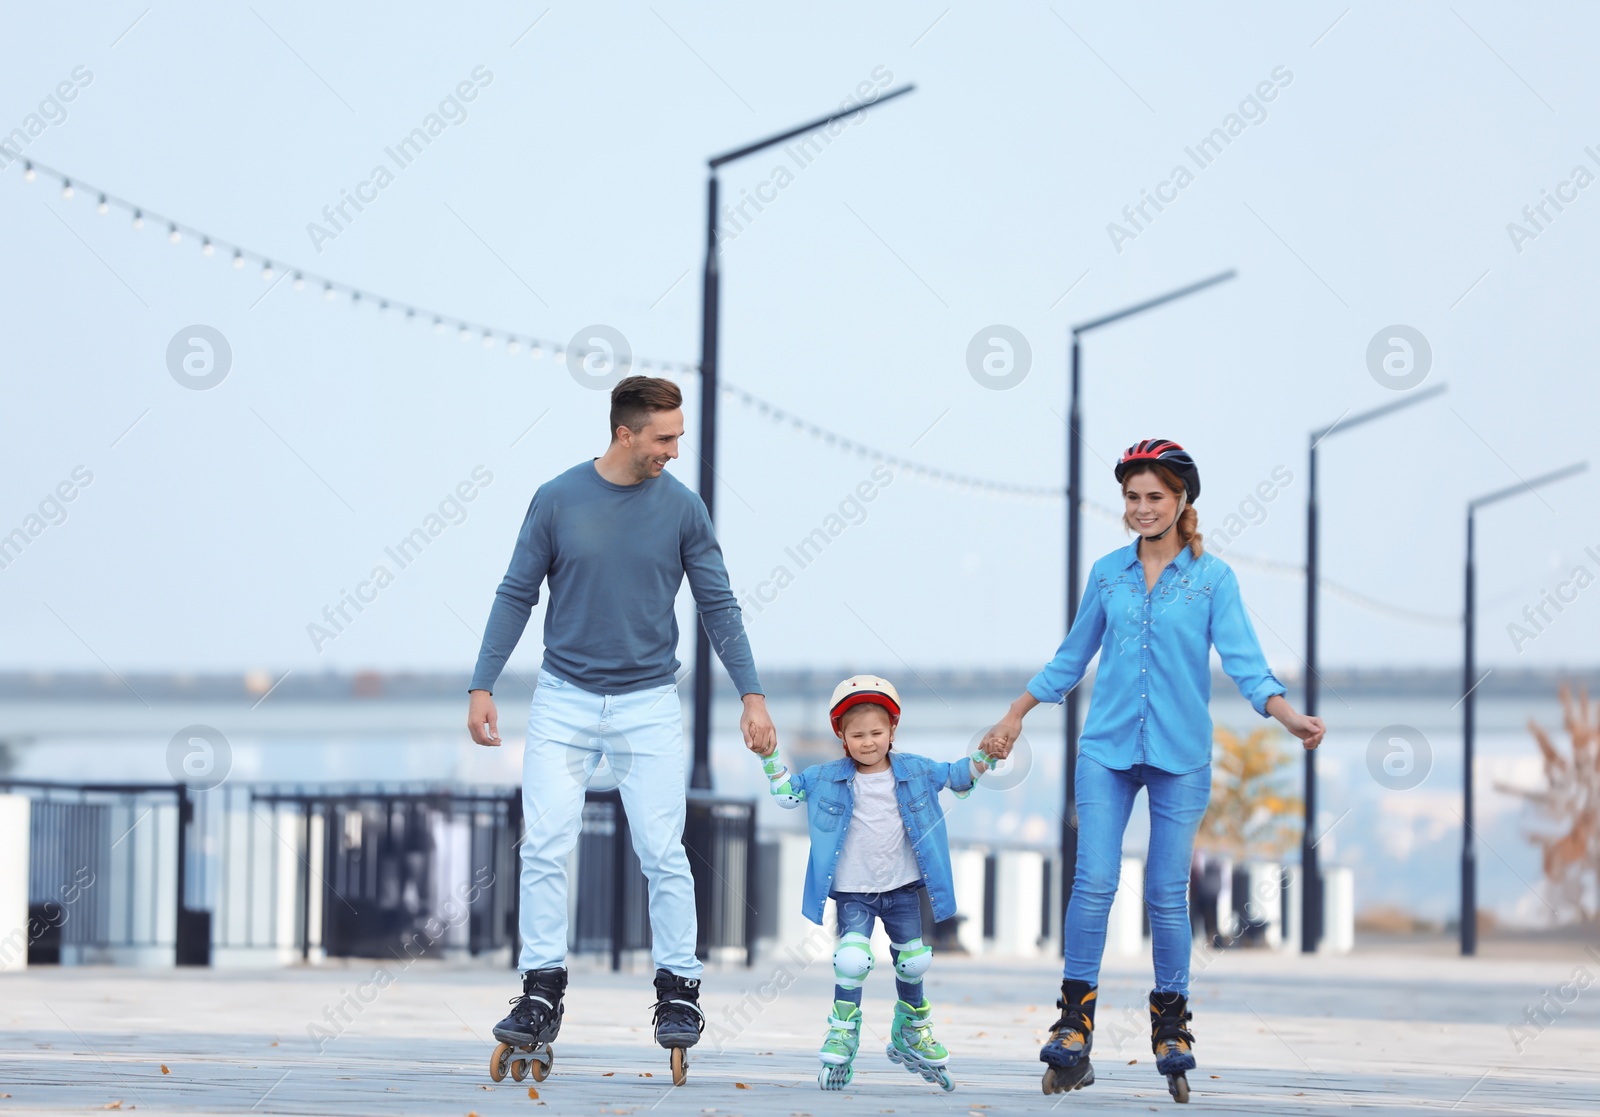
(1179, 1086)
(498, 1061)
(942, 1078)
(835, 1077)
(519, 1069)
(680, 1066)
(540, 1068)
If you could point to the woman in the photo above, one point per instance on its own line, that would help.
(1154, 610)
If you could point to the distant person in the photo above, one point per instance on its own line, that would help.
(615, 537)
(1153, 610)
(878, 842)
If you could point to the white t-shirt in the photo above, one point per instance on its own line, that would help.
(876, 855)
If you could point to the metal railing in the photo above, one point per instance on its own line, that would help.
(249, 873)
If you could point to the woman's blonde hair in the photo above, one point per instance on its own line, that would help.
(1188, 520)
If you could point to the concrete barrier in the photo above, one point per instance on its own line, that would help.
(1125, 927)
(14, 815)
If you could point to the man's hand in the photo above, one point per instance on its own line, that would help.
(760, 735)
(483, 720)
(998, 741)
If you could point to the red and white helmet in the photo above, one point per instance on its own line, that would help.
(860, 689)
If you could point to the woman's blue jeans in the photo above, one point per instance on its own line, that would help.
(1105, 800)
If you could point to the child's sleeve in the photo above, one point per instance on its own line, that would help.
(788, 790)
(961, 776)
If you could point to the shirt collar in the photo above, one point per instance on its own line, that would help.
(1184, 558)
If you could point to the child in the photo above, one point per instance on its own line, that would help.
(877, 840)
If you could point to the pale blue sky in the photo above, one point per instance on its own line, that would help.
(1377, 191)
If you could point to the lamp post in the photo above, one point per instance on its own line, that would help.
(1310, 874)
(1069, 814)
(700, 774)
(1469, 851)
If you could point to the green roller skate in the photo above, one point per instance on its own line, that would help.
(911, 1044)
(839, 1048)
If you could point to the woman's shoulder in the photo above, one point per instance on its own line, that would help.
(1211, 568)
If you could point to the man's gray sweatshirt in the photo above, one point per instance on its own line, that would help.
(615, 556)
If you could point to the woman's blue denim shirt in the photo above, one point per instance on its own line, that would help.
(1152, 690)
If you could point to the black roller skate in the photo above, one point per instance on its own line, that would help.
(1071, 1038)
(526, 1034)
(1171, 1041)
(678, 1019)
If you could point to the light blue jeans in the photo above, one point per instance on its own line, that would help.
(1105, 800)
(640, 738)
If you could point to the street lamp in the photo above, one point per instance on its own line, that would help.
(700, 774)
(1469, 851)
(1069, 814)
(1310, 874)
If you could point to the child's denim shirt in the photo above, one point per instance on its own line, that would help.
(828, 792)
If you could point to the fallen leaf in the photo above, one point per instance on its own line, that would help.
(608, 1074)
(982, 1034)
(1216, 1076)
(274, 1043)
(532, 1093)
(740, 1086)
(485, 1087)
(112, 1105)
(649, 1074)
(164, 1069)
(1132, 1061)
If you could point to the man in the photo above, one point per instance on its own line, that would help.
(615, 537)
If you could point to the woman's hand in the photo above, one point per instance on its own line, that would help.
(999, 740)
(1310, 730)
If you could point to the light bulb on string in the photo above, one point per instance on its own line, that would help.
(266, 271)
(299, 282)
(513, 346)
(102, 205)
(438, 326)
(355, 299)
(535, 351)
(28, 174)
(464, 334)
(238, 258)
(66, 188)
(206, 247)
(488, 340)
(138, 219)
(383, 306)
(328, 292)
(173, 235)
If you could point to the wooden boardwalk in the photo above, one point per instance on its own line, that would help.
(1277, 1034)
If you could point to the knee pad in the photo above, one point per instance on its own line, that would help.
(852, 961)
(915, 958)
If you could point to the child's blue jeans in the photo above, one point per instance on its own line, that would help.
(901, 912)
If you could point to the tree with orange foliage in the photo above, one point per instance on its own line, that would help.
(1251, 811)
(1570, 801)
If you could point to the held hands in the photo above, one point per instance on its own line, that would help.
(483, 720)
(760, 735)
(998, 741)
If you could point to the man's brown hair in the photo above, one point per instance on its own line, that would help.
(636, 398)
